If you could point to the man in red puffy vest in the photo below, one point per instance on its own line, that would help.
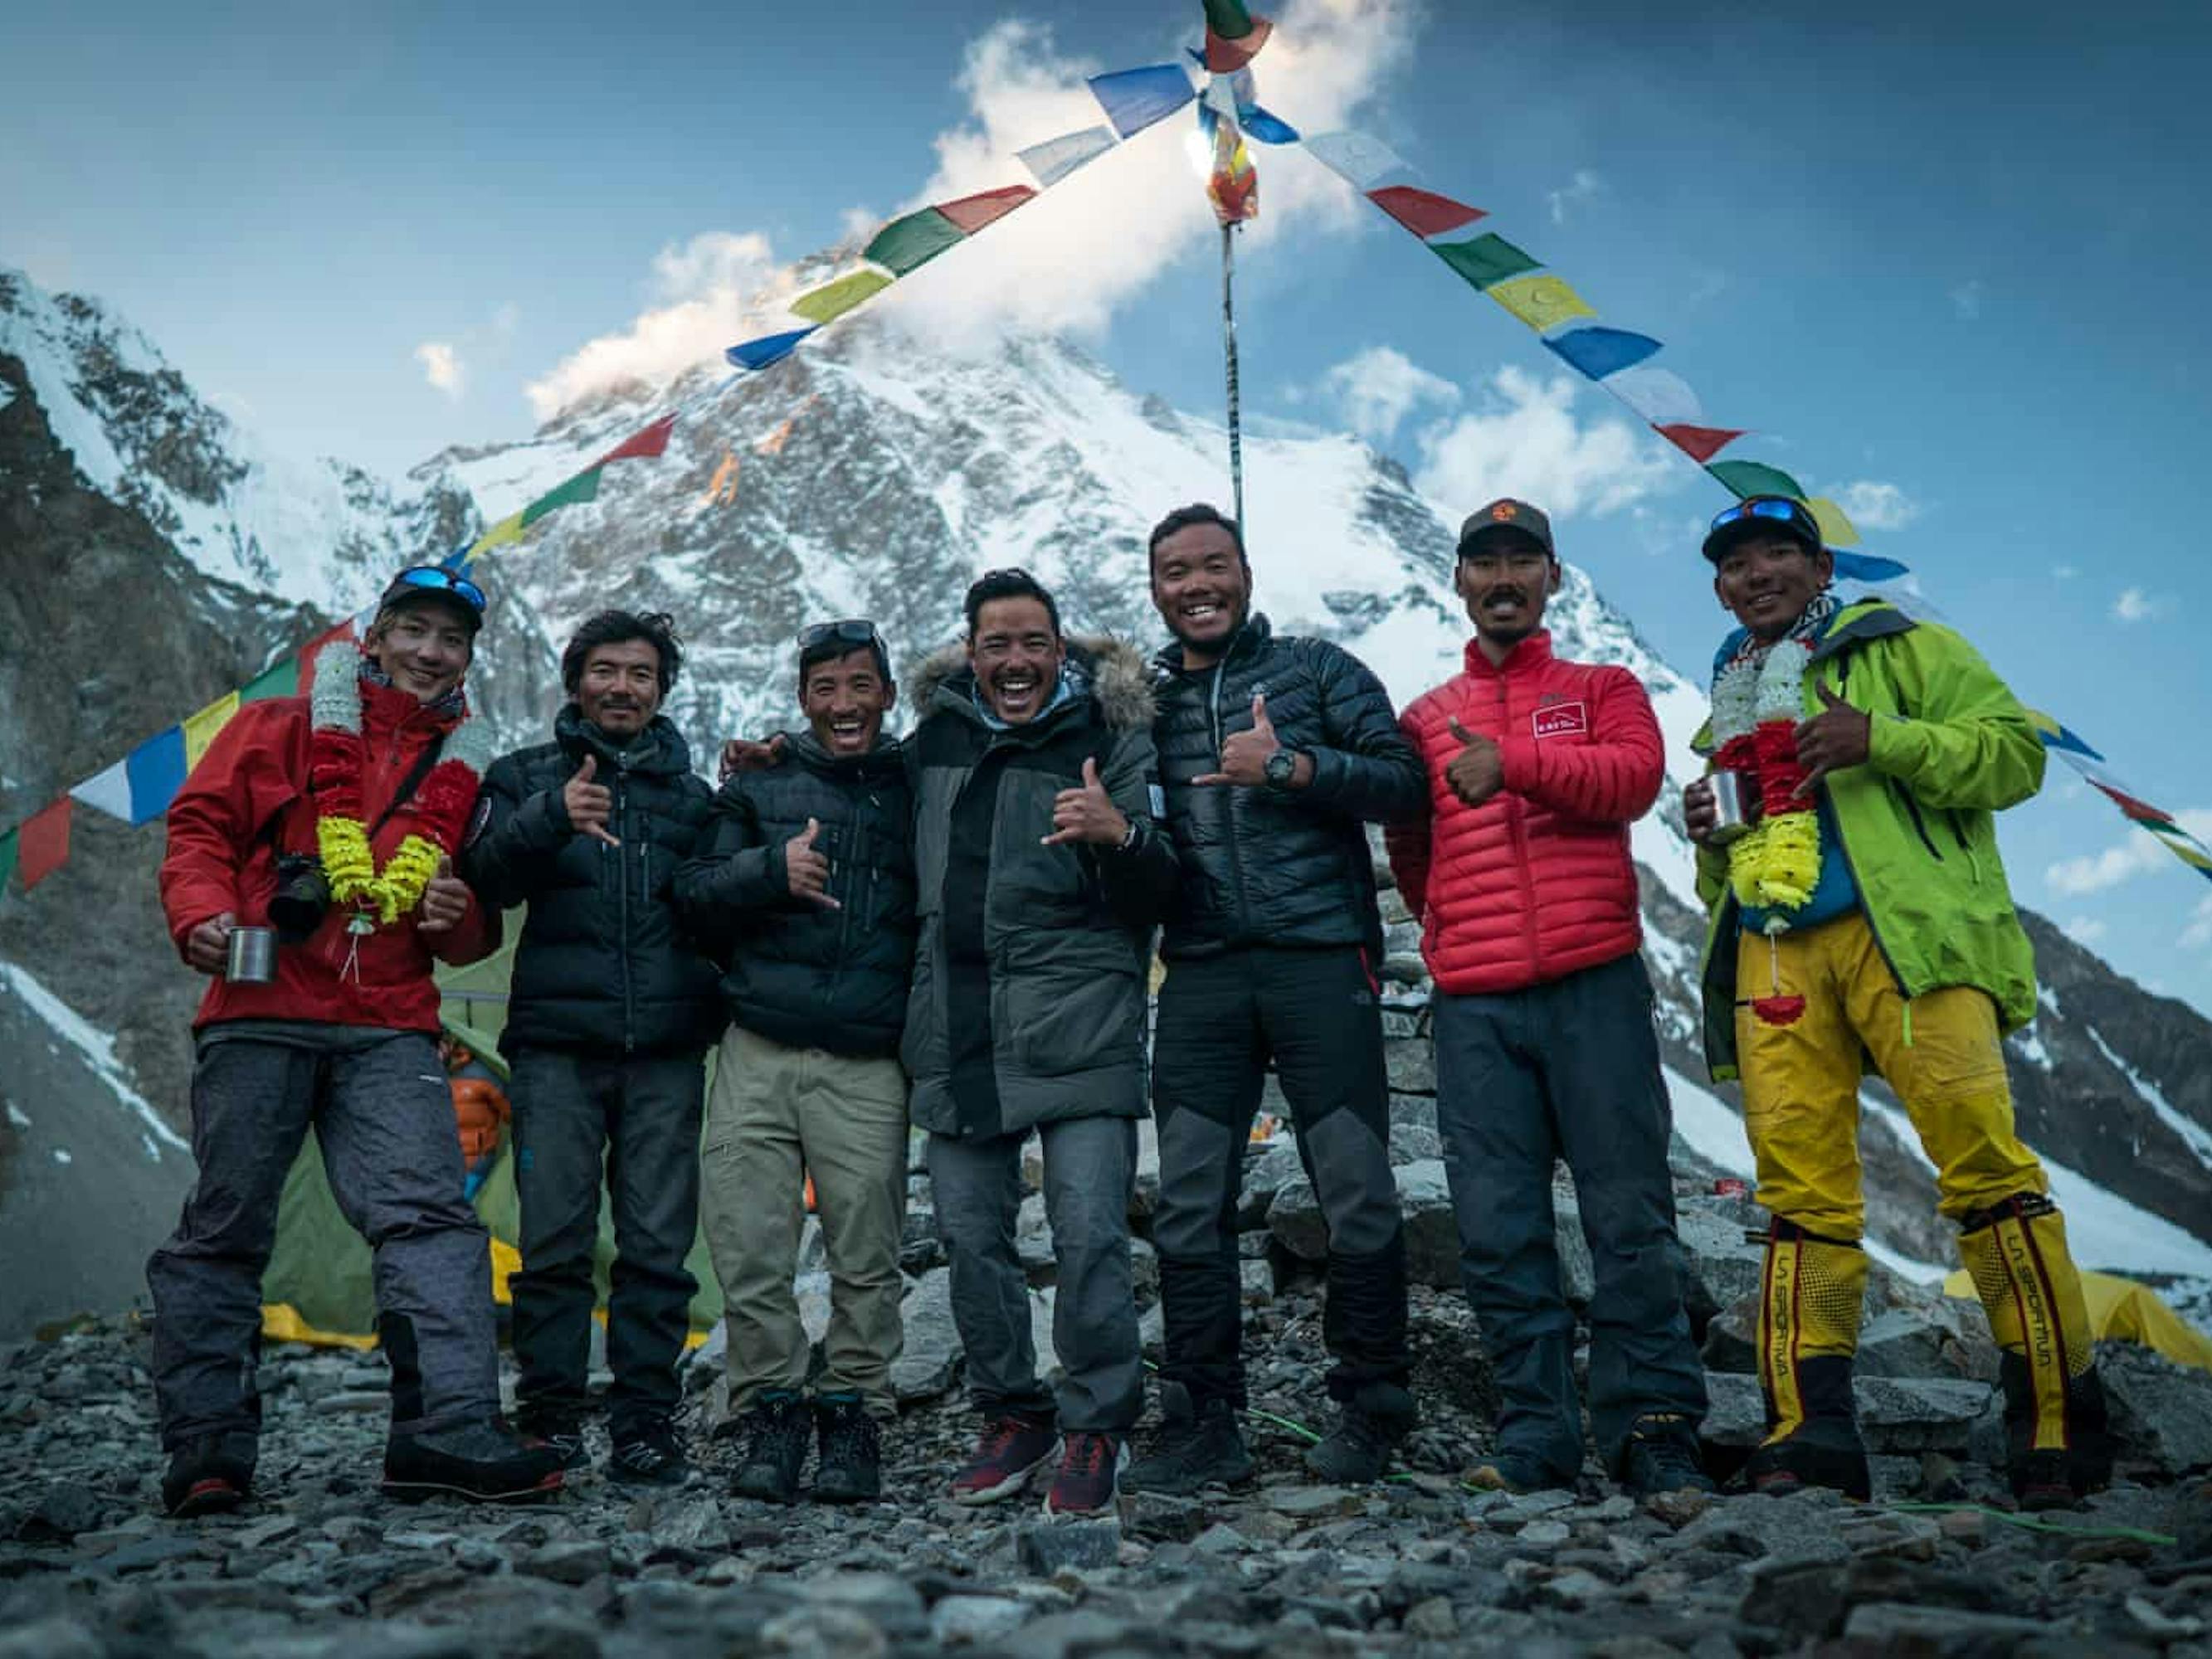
(1521, 877)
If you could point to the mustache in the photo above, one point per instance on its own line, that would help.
(1519, 596)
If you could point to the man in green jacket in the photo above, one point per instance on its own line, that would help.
(1864, 914)
(1039, 872)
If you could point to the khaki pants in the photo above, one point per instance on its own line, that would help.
(775, 1115)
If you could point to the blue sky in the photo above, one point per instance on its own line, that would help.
(1946, 260)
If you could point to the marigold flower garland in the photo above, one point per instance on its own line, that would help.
(1757, 700)
(336, 757)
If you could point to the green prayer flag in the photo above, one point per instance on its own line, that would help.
(1486, 261)
(1748, 478)
(834, 300)
(1228, 19)
(584, 487)
(7, 859)
(914, 240)
(279, 679)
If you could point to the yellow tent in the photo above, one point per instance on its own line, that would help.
(2121, 1310)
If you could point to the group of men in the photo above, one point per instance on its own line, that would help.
(957, 930)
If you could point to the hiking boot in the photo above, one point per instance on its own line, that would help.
(1006, 1454)
(561, 1433)
(777, 1434)
(1357, 1450)
(1198, 1447)
(1826, 1452)
(1661, 1455)
(1089, 1468)
(211, 1476)
(483, 1461)
(648, 1454)
(1512, 1472)
(850, 1470)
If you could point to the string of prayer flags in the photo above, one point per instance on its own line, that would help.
(2071, 747)
(1134, 98)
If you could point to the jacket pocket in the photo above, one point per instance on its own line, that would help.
(1077, 1005)
(1919, 824)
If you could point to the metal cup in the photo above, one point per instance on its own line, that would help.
(1735, 805)
(252, 956)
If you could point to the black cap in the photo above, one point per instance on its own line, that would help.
(433, 583)
(1763, 516)
(1506, 513)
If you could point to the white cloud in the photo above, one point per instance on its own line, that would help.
(1967, 299)
(2086, 930)
(710, 292)
(1875, 506)
(1579, 192)
(1524, 440)
(2198, 934)
(442, 366)
(2140, 854)
(1377, 389)
(2135, 605)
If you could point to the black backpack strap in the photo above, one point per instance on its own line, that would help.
(411, 783)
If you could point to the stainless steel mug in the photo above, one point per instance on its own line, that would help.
(252, 956)
(1736, 802)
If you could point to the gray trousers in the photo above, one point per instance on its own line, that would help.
(383, 1115)
(1089, 1170)
(1567, 1069)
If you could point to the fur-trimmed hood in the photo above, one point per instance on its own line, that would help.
(1112, 672)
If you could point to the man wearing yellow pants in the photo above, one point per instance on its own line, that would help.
(1860, 921)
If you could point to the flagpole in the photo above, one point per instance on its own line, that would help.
(1229, 352)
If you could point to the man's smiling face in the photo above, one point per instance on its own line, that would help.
(1201, 586)
(1016, 653)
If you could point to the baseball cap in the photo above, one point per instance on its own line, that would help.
(1756, 515)
(1506, 513)
(426, 583)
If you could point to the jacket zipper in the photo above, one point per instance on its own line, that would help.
(1919, 827)
(1235, 855)
(622, 901)
(1519, 834)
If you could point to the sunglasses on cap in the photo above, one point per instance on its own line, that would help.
(1776, 509)
(436, 579)
(855, 632)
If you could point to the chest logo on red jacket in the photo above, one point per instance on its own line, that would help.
(1560, 719)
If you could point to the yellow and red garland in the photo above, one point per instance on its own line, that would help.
(1757, 700)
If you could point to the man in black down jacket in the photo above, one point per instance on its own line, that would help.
(610, 1013)
(807, 871)
(1272, 751)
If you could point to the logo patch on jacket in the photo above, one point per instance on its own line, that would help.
(1560, 719)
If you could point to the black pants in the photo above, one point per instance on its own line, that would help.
(636, 1119)
(1316, 1013)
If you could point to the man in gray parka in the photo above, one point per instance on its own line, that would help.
(1041, 873)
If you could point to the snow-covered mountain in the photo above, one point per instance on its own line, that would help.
(874, 476)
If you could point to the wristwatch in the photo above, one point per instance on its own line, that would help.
(1281, 768)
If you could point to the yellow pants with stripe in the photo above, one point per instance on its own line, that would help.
(1811, 1005)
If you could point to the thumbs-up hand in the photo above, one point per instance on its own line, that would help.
(445, 901)
(1837, 737)
(589, 805)
(806, 867)
(1245, 754)
(1087, 813)
(1478, 771)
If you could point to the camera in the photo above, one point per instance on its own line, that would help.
(303, 893)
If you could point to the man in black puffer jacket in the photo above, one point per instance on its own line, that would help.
(808, 872)
(1273, 751)
(611, 1010)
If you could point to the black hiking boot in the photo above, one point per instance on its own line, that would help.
(1199, 1446)
(648, 1454)
(1369, 1427)
(562, 1433)
(211, 1476)
(1661, 1455)
(483, 1461)
(776, 1433)
(851, 1467)
(1825, 1451)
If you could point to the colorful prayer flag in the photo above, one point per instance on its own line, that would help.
(1486, 261)
(1598, 352)
(767, 348)
(1748, 478)
(279, 679)
(1423, 211)
(1836, 529)
(7, 843)
(108, 791)
(1230, 18)
(43, 843)
(1233, 186)
(1054, 159)
(584, 487)
(834, 300)
(1134, 98)
(1542, 302)
(1700, 443)
(1267, 128)
(507, 530)
(2057, 736)
(1662, 396)
(1866, 567)
(201, 728)
(156, 770)
(1226, 54)
(1362, 161)
(646, 444)
(971, 213)
(908, 244)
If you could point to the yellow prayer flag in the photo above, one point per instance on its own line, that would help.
(836, 299)
(507, 530)
(1836, 529)
(1542, 302)
(201, 728)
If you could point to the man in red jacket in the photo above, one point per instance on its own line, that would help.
(334, 819)
(1520, 876)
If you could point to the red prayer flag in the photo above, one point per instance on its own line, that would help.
(42, 844)
(1423, 211)
(1700, 443)
(1226, 57)
(653, 440)
(971, 213)
(2140, 811)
